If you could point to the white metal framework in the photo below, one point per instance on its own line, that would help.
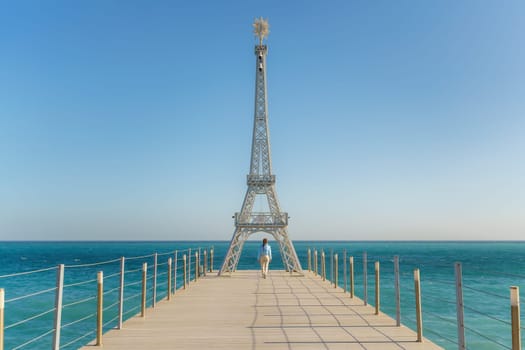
(261, 181)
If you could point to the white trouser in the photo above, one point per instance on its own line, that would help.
(265, 262)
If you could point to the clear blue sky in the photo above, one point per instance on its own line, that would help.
(389, 119)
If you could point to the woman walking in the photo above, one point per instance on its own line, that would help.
(264, 257)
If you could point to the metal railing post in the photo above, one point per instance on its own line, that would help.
(351, 267)
(58, 306)
(323, 265)
(309, 261)
(211, 260)
(331, 265)
(515, 317)
(169, 279)
(419, 317)
(378, 299)
(336, 270)
(196, 266)
(144, 282)
(100, 308)
(175, 273)
(398, 291)
(184, 268)
(316, 266)
(365, 279)
(121, 296)
(2, 306)
(459, 307)
(344, 271)
(205, 267)
(189, 266)
(154, 281)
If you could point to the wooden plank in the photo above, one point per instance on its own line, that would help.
(246, 311)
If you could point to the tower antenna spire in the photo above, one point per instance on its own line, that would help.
(261, 29)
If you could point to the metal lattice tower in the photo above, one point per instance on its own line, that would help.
(261, 181)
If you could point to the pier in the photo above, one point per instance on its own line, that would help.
(245, 311)
(177, 299)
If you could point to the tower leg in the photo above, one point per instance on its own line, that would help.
(234, 252)
(290, 259)
(288, 254)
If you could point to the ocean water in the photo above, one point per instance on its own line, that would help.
(489, 269)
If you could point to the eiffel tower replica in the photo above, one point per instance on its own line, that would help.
(261, 181)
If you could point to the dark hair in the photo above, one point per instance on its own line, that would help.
(265, 241)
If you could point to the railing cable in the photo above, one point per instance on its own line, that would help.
(112, 275)
(29, 319)
(140, 257)
(91, 264)
(132, 283)
(109, 291)
(80, 283)
(439, 299)
(112, 305)
(451, 321)
(496, 273)
(486, 315)
(77, 339)
(30, 295)
(132, 296)
(441, 336)
(135, 270)
(131, 310)
(34, 339)
(78, 302)
(487, 338)
(28, 272)
(487, 293)
(112, 320)
(440, 281)
(79, 320)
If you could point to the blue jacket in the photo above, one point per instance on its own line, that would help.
(265, 250)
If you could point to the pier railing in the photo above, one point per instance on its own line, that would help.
(89, 299)
(82, 301)
(470, 305)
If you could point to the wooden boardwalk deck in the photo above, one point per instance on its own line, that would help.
(245, 311)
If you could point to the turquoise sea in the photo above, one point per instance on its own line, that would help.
(489, 269)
